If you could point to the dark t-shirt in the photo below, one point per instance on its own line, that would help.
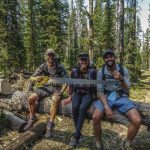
(58, 71)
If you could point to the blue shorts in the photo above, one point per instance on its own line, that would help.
(122, 104)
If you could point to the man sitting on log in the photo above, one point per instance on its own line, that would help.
(113, 93)
(51, 68)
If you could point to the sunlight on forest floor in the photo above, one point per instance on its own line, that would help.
(113, 135)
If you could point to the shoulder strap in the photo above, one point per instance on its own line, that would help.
(103, 70)
(75, 72)
(121, 70)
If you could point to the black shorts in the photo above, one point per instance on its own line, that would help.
(43, 92)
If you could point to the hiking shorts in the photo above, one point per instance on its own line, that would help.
(122, 104)
(44, 91)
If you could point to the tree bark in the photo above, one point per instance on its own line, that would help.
(19, 102)
(15, 123)
(91, 29)
(121, 33)
(27, 138)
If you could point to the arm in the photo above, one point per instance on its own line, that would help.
(65, 75)
(124, 80)
(37, 75)
(70, 92)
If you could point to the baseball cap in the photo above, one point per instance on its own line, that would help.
(83, 55)
(48, 51)
(108, 52)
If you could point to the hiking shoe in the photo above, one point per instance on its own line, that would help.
(126, 145)
(49, 128)
(74, 141)
(30, 123)
(99, 146)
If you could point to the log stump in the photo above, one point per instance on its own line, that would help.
(5, 87)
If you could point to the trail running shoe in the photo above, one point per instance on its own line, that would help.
(99, 146)
(74, 141)
(126, 145)
(30, 123)
(49, 128)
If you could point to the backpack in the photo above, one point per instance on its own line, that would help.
(121, 70)
(91, 69)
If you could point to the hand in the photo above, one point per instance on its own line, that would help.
(117, 75)
(37, 79)
(58, 93)
(109, 112)
(67, 100)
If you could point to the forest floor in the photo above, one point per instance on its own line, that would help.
(112, 137)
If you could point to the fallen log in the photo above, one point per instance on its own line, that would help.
(27, 138)
(19, 102)
(15, 123)
(4, 87)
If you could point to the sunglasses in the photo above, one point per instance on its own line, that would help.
(84, 59)
(50, 54)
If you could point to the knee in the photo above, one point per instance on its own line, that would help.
(55, 99)
(33, 98)
(97, 117)
(136, 121)
(75, 108)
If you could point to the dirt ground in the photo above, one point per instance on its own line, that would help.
(112, 137)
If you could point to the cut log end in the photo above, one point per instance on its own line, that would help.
(5, 87)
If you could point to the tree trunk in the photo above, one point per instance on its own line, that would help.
(91, 29)
(15, 123)
(121, 33)
(19, 102)
(27, 138)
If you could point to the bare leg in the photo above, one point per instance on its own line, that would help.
(133, 128)
(53, 112)
(32, 104)
(54, 107)
(32, 109)
(97, 117)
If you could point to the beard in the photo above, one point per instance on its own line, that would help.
(110, 63)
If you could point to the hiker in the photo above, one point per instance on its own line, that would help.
(81, 96)
(113, 93)
(51, 68)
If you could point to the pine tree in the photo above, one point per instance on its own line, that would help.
(72, 44)
(53, 17)
(14, 37)
(109, 23)
(3, 34)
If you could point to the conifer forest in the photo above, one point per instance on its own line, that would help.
(29, 27)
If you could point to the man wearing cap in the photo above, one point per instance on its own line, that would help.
(81, 96)
(113, 93)
(51, 68)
